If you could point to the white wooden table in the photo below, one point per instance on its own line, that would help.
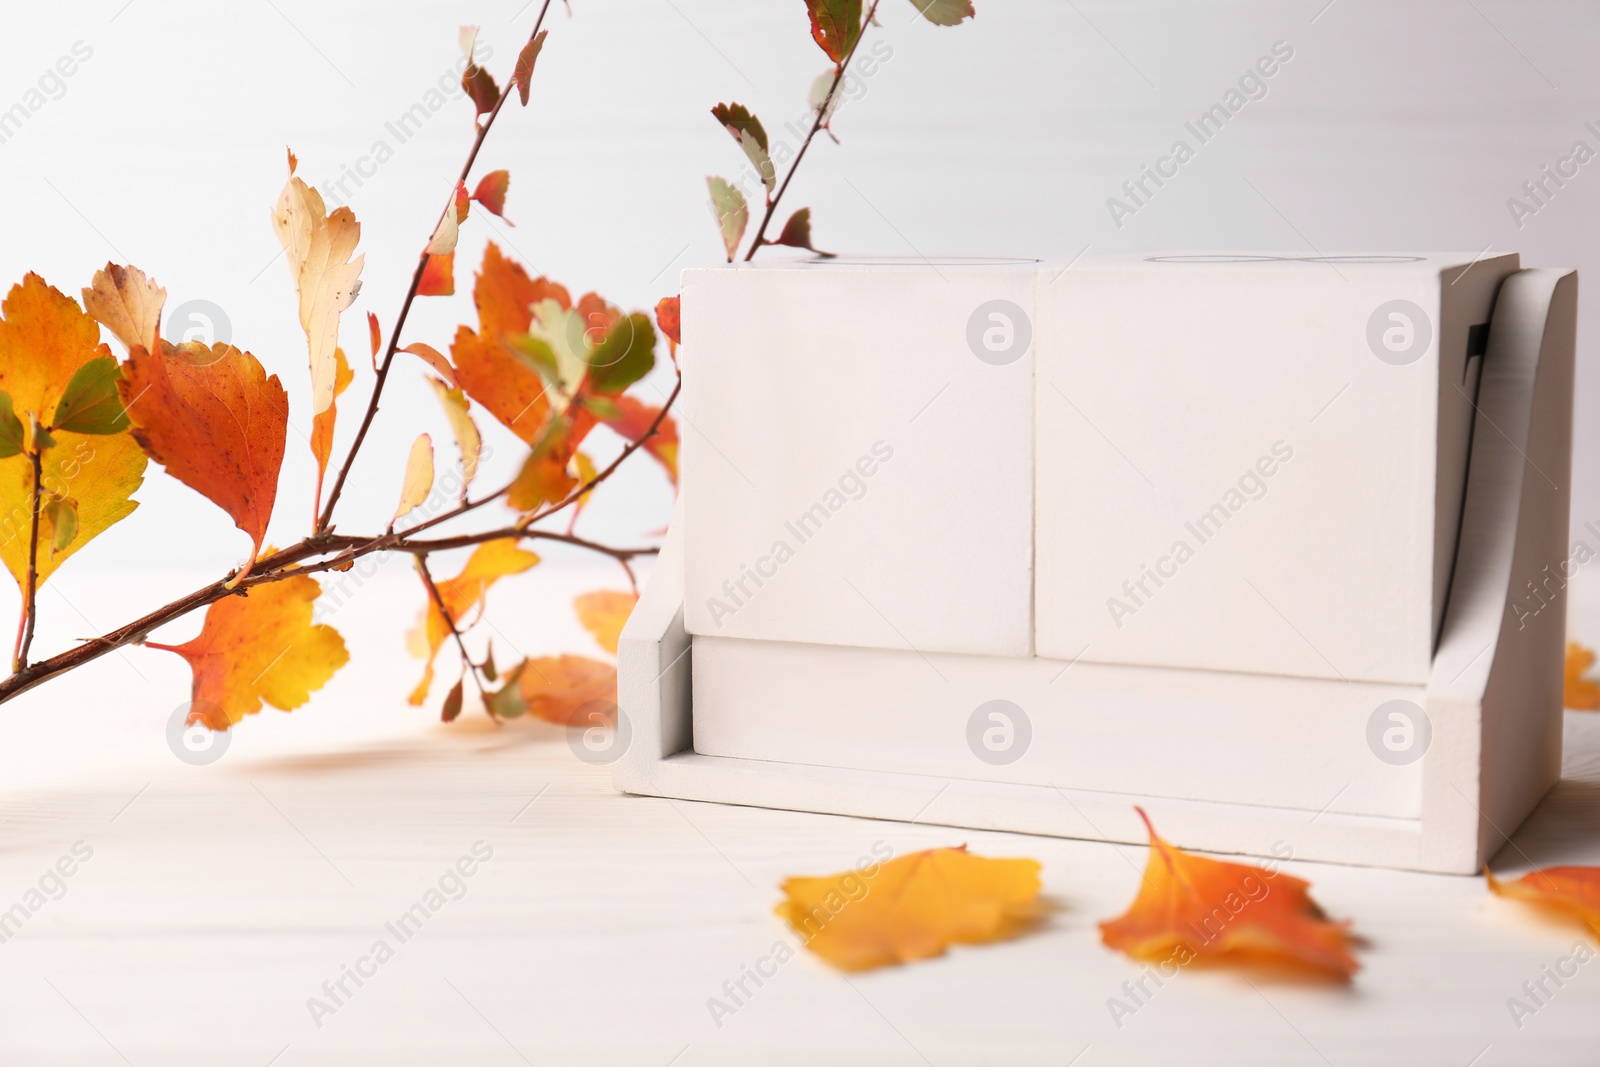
(219, 899)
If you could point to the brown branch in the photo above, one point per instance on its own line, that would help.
(449, 620)
(326, 519)
(30, 591)
(821, 121)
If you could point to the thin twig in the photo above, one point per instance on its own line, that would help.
(326, 519)
(449, 620)
(823, 117)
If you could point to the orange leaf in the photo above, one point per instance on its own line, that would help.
(633, 420)
(322, 423)
(44, 338)
(491, 192)
(546, 476)
(488, 563)
(438, 276)
(1191, 907)
(433, 358)
(1578, 692)
(523, 73)
(911, 908)
(127, 303)
(259, 646)
(603, 614)
(668, 318)
(1571, 891)
(214, 419)
(375, 334)
(319, 246)
(563, 689)
(505, 295)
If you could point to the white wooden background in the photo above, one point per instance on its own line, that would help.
(219, 899)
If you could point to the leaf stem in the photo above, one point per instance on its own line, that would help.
(30, 592)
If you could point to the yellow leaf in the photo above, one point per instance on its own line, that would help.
(322, 423)
(488, 563)
(419, 475)
(44, 338)
(1580, 693)
(98, 473)
(126, 303)
(468, 439)
(319, 247)
(603, 614)
(260, 646)
(911, 908)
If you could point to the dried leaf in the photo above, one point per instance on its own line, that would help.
(127, 303)
(563, 689)
(214, 419)
(1573, 891)
(1192, 907)
(733, 215)
(1580, 693)
(259, 646)
(480, 85)
(433, 358)
(452, 702)
(747, 130)
(98, 473)
(323, 423)
(523, 74)
(911, 908)
(319, 247)
(443, 241)
(438, 276)
(835, 26)
(418, 481)
(468, 439)
(797, 233)
(45, 338)
(491, 193)
(945, 12)
(603, 613)
(488, 563)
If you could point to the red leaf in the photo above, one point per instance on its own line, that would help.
(491, 193)
(439, 276)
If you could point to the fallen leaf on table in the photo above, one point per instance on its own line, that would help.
(488, 563)
(319, 246)
(603, 613)
(98, 474)
(1580, 693)
(911, 908)
(1573, 891)
(214, 419)
(259, 646)
(1190, 907)
(565, 689)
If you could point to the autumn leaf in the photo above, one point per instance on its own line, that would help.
(797, 233)
(669, 318)
(522, 76)
(91, 403)
(505, 296)
(488, 563)
(457, 410)
(1580, 693)
(127, 303)
(545, 477)
(747, 130)
(491, 193)
(632, 419)
(418, 482)
(1190, 907)
(480, 86)
(375, 335)
(214, 419)
(911, 908)
(45, 339)
(446, 233)
(319, 246)
(603, 614)
(433, 358)
(259, 646)
(451, 709)
(732, 214)
(322, 423)
(438, 276)
(945, 12)
(1573, 891)
(835, 26)
(97, 474)
(566, 689)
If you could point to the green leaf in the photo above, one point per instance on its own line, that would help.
(488, 662)
(625, 356)
(835, 26)
(10, 429)
(945, 12)
(797, 233)
(90, 403)
(732, 213)
(452, 702)
(62, 513)
(507, 702)
(752, 137)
